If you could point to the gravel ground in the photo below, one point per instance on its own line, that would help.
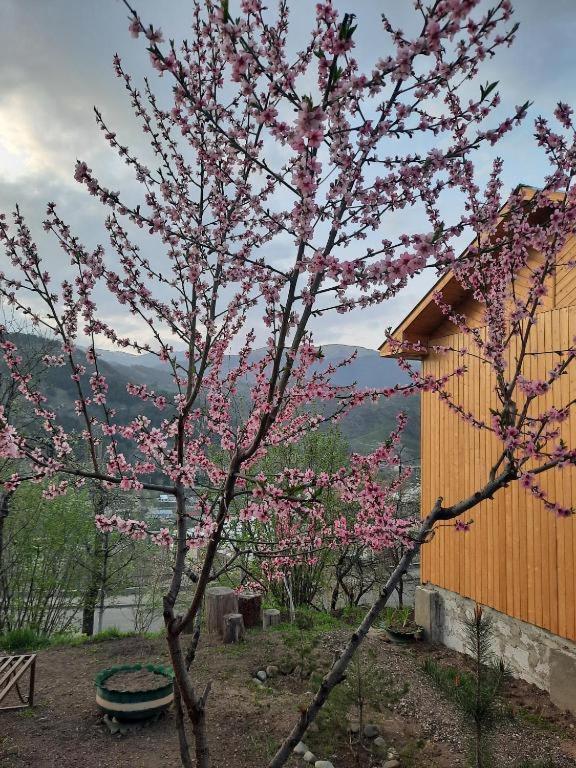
(246, 721)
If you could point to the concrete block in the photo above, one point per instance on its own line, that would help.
(563, 679)
(427, 612)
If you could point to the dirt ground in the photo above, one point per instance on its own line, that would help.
(246, 722)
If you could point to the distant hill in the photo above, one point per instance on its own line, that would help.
(365, 427)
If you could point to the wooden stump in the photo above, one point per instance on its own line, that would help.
(219, 602)
(233, 628)
(250, 606)
(270, 618)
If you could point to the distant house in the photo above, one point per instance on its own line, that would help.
(518, 558)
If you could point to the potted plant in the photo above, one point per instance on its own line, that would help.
(400, 626)
(134, 691)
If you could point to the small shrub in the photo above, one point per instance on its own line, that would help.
(304, 620)
(112, 633)
(21, 640)
(478, 692)
(353, 614)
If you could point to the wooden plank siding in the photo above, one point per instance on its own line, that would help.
(517, 558)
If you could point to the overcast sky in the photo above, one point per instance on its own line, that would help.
(55, 65)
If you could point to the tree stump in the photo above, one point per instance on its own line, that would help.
(233, 628)
(219, 602)
(270, 618)
(250, 606)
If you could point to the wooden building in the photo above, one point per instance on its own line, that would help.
(518, 558)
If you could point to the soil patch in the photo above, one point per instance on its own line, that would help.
(247, 721)
(135, 680)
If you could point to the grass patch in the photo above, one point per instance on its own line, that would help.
(536, 720)
(25, 640)
(311, 621)
(27, 713)
(460, 686)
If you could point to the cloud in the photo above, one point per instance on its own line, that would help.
(55, 64)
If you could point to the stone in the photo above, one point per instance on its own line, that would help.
(258, 682)
(563, 680)
(323, 764)
(354, 727)
(309, 757)
(300, 748)
(112, 724)
(261, 675)
(371, 731)
(427, 612)
(393, 754)
(391, 764)
(271, 670)
(379, 742)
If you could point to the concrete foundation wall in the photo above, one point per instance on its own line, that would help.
(530, 653)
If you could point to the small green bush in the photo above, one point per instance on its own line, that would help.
(19, 640)
(23, 640)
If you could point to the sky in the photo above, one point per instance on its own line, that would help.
(56, 64)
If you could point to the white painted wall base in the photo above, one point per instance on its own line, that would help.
(530, 653)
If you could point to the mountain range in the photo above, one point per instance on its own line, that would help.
(365, 427)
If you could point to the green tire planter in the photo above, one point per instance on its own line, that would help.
(134, 705)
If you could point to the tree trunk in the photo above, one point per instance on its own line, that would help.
(90, 600)
(103, 582)
(185, 757)
(400, 592)
(219, 601)
(334, 599)
(194, 705)
(4, 511)
(233, 628)
(270, 618)
(250, 606)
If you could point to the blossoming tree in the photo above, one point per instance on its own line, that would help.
(278, 173)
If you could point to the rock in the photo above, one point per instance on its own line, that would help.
(271, 670)
(393, 754)
(309, 757)
(300, 748)
(354, 727)
(112, 724)
(380, 743)
(371, 731)
(261, 675)
(323, 764)
(391, 764)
